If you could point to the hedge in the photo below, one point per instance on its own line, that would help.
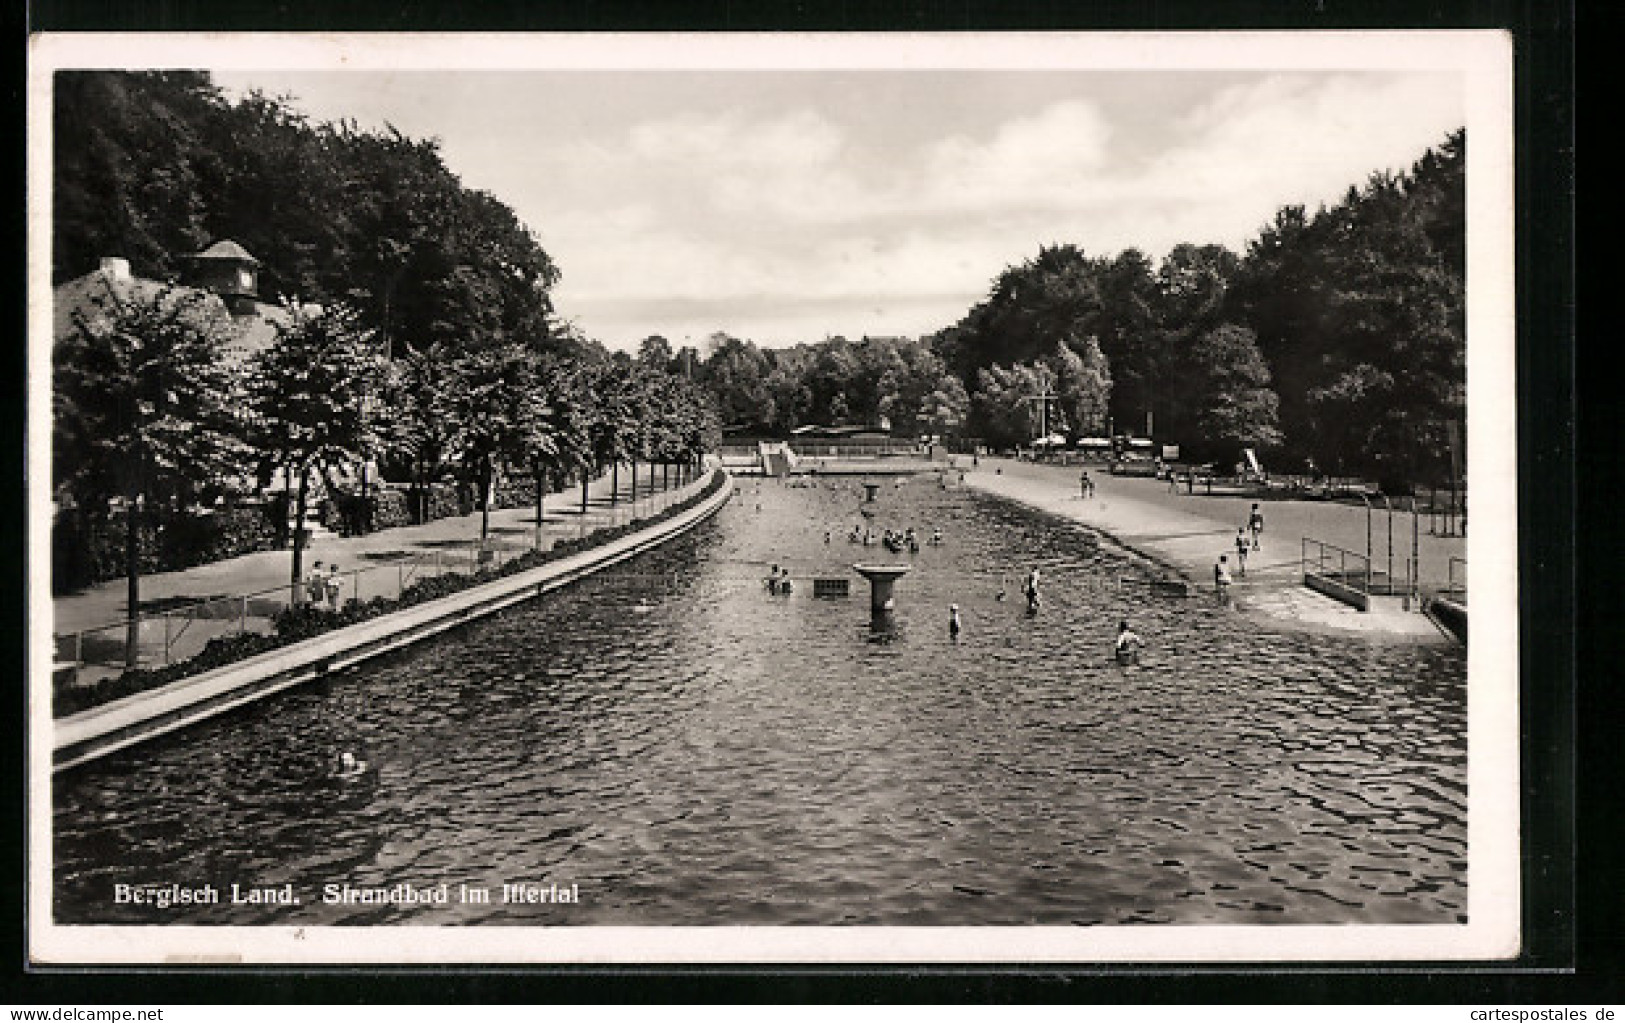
(87, 550)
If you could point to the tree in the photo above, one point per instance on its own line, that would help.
(699, 430)
(307, 396)
(1009, 406)
(788, 389)
(143, 410)
(1192, 285)
(1055, 295)
(1129, 339)
(555, 423)
(1083, 383)
(1360, 312)
(614, 428)
(736, 373)
(493, 405)
(917, 393)
(128, 151)
(655, 352)
(417, 429)
(1235, 405)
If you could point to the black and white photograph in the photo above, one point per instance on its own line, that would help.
(796, 498)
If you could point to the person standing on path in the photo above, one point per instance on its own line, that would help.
(1086, 485)
(1241, 550)
(316, 584)
(1255, 522)
(333, 585)
(1221, 579)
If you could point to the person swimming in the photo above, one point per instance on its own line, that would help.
(349, 766)
(1127, 648)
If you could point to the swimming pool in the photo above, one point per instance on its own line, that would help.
(684, 748)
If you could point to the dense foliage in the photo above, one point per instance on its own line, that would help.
(1338, 338)
(901, 381)
(153, 166)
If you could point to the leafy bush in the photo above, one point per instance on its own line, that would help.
(434, 501)
(353, 515)
(219, 651)
(89, 549)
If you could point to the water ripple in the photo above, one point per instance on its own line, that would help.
(688, 749)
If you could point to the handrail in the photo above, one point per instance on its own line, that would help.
(1360, 579)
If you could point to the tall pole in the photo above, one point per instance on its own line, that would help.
(1413, 591)
(1390, 506)
(1043, 397)
(1367, 501)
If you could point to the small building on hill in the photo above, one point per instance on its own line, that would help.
(225, 271)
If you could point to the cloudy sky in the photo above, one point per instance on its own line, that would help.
(784, 205)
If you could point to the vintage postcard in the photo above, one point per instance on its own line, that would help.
(872, 498)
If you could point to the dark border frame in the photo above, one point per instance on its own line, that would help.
(1561, 963)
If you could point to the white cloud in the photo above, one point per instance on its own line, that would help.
(714, 219)
(1047, 154)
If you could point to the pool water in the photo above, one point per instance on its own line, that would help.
(684, 748)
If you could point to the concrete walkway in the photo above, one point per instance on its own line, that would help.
(1187, 533)
(511, 529)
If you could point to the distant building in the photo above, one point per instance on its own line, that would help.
(845, 440)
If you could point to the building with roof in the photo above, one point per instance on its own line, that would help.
(224, 275)
(225, 272)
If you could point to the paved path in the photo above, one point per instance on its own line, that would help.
(511, 528)
(1187, 533)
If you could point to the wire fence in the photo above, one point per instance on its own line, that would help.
(158, 638)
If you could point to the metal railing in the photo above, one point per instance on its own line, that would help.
(1328, 561)
(158, 638)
